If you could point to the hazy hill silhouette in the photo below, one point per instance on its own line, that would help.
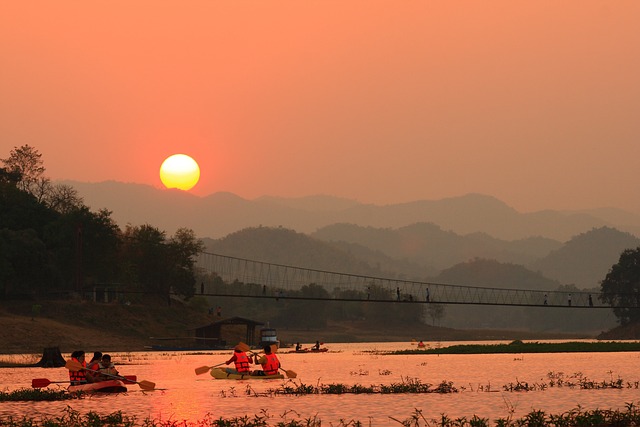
(288, 247)
(428, 245)
(424, 252)
(587, 258)
(220, 214)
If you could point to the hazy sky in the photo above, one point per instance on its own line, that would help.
(534, 102)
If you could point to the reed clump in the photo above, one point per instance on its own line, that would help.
(407, 385)
(30, 395)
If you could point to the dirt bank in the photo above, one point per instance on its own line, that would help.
(106, 327)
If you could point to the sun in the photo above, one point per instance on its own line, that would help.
(179, 171)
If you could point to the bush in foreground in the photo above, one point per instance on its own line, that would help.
(576, 417)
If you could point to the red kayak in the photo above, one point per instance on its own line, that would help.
(310, 350)
(110, 386)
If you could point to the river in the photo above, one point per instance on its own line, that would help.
(183, 395)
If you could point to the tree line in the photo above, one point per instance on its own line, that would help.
(52, 243)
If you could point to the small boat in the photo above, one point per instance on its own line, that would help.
(268, 336)
(109, 386)
(310, 350)
(221, 374)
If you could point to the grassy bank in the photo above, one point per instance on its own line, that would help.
(518, 346)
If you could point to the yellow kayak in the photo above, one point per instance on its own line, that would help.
(221, 374)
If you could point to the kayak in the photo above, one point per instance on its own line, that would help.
(109, 386)
(221, 374)
(310, 350)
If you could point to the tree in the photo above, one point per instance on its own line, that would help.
(26, 163)
(23, 263)
(159, 266)
(61, 198)
(184, 246)
(621, 287)
(84, 247)
(435, 312)
(144, 253)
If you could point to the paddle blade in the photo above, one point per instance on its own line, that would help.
(290, 374)
(243, 347)
(202, 370)
(147, 385)
(40, 382)
(72, 365)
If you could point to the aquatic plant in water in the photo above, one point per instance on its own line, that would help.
(31, 394)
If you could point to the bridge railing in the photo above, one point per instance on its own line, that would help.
(269, 279)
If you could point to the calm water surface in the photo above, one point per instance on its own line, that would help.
(182, 395)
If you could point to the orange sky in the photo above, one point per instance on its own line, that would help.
(536, 102)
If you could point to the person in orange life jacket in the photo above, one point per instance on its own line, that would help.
(93, 365)
(78, 377)
(106, 367)
(241, 362)
(270, 363)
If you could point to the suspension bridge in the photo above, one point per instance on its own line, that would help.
(256, 279)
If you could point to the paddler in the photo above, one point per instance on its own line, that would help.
(106, 368)
(241, 361)
(269, 361)
(78, 377)
(94, 365)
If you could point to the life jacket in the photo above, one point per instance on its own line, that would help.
(242, 362)
(109, 370)
(272, 365)
(78, 377)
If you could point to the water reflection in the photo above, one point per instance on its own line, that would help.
(184, 396)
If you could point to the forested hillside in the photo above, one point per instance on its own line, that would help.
(282, 246)
(585, 259)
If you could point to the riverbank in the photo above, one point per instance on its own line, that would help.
(72, 325)
(519, 347)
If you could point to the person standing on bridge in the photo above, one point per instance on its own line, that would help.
(569, 300)
(398, 293)
(426, 295)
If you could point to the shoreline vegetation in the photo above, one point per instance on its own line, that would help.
(80, 325)
(517, 347)
(630, 416)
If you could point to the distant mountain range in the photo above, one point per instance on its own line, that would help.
(219, 214)
(471, 240)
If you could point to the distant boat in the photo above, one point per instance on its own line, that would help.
(268, 336)
(310, 350)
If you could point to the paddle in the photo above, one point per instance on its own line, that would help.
(72, 365)
(43, 382)
(290, 373)
(244, 347)
(204, 369)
